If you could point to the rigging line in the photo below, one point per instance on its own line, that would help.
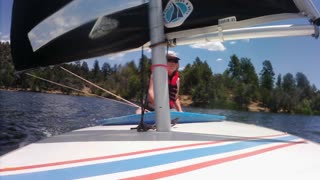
(71, 88)
(143, 104)
(141, 126)
(54, 83)
(167, 48)
(119, 97)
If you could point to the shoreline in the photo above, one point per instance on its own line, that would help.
(185, 100)
(255, 107)
(44, 91)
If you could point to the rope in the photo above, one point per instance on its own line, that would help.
(58, 84)
(54, 83)
(119, 97)
(143, 127)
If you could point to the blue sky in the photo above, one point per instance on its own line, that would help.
(287, 55)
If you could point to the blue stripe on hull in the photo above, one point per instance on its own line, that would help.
(142, 162)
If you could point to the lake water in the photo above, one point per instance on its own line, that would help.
(26, 117)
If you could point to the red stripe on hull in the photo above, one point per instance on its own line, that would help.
(194, 167)
(125, 154)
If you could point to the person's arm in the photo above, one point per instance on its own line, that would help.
(177, 102)
(150, 96)
(151, 91)
(178, 105)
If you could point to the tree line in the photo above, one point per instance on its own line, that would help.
(236, 88)
(239, 85)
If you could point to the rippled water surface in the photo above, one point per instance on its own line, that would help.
(304, 126)
(27, 117)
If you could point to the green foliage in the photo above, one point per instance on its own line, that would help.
(315, 104)
(267, 76)
(266, 83)
(197, 80)
(242, 81)
(288, 84)
(106, 70)
(236, 88)
(84, 67)
(6, 67)
(303, 86)
(6, 75)
(304, 107)
(279, 81)
(276, 101)
(234, 70)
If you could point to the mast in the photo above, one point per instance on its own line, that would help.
(160, 74)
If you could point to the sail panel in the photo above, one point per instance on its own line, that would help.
(73, 15)
(122, 30)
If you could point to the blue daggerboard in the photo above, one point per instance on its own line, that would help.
(149, 118)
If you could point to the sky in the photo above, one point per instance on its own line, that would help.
(287, 54)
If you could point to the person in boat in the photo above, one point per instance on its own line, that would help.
(173, 84)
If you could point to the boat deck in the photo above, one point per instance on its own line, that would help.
(223, 150)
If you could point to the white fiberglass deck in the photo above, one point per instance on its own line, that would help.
(216, 150)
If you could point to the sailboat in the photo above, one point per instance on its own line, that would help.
(207, 150)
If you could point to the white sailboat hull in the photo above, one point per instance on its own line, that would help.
(224, 150)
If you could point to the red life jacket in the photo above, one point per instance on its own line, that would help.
(173, 88)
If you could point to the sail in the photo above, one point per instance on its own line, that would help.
(122, 29)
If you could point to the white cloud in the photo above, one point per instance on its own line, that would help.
(174, 53)
(147, 49)
(211, 46)
(116, 56)
(219, 59)
(181, 68)
(4, 41)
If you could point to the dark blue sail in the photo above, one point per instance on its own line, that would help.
(126, 29)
